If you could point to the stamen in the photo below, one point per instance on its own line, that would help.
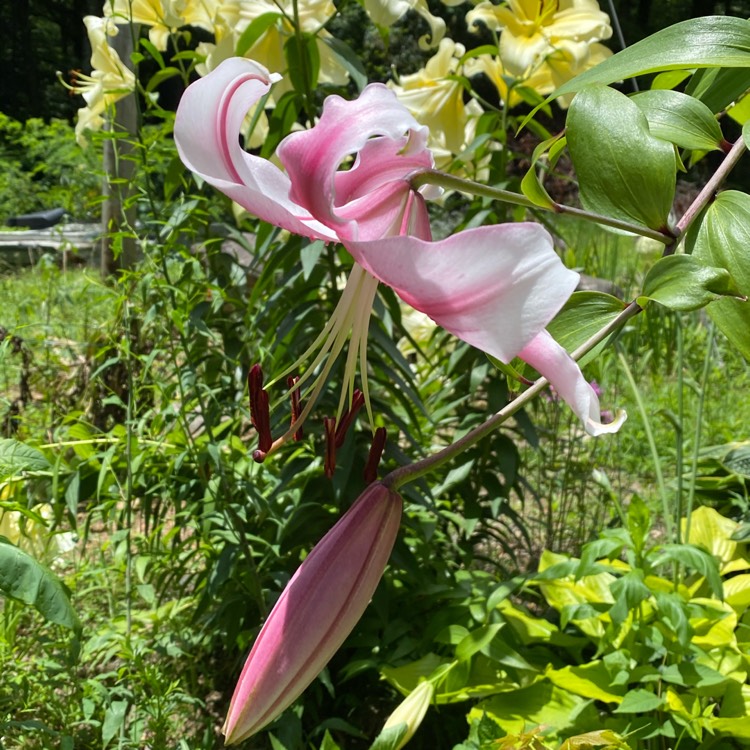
(291, 382)
(376, 453)
(329, 425)
(260, 414)
(347, 418)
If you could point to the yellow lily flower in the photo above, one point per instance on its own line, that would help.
(109, 81)
(545, 42)
(434, 95)
(164, 17)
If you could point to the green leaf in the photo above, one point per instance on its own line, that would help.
(717, 88)
(303, 59)
(583, 315)
(540, 703)
(591, 680)
(476, 641)
(255, 31)
(17, 457)
(707, 42)
(722, 239)
(390, 738)
(24, 579)
(628, 592)
(683, 282)
(531, 187)
(114, 718)
(639, 701)
(623, 171)
(348, 60)
(693, 557)
(160, 76)
(680, 119)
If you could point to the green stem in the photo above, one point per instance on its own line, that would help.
(698, 429)
(679, 427)
(451, 182)
(651, 443)
(413, 471)
(708, 192)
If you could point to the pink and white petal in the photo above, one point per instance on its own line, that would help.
(207, 126)
(494, 287)
(551, 360)
(312, 157)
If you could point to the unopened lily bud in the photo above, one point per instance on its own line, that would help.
(260, 414)
(315, 613)
(411, 711)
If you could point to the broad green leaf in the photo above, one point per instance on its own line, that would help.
(639, 701)
(541, 703)
(628, 591)
(706, 42)
(390, 738)
(254, 31)
(722, 239)
(712, 531)
(602, 738)
(531, 187)
(591, 680)
(717, 88)
(737, 592)
(702, 562)
(303, 58)
(24, 579)
(746, 134)
(735, 710)
(17, 457)
(680, 119)
(623, 171)
(347, 58)
(583, 315)
(683, 282)
(476, 641)
(114, 718)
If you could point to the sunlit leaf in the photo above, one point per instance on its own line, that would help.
(623, 171)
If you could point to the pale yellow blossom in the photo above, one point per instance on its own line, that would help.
(544, 43)
(387, 12)
(110, 78)
(233, 19)
(163, 17)
(435, 96)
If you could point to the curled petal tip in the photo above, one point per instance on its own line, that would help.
(315, 613)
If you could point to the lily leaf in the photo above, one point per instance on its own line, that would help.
(24, 579)
(683, 282)
(722, 239)
(623, 171)
(680, 119)
(17, 457)
(583, 315)
(707, 42)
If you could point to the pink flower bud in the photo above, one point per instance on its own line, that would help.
(316, 611)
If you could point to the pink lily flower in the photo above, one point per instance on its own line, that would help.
(495, 287)
(315, 613)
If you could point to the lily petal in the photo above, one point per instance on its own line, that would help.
(206, 131)
(494, 287)
(313, 157)
(551, 360)
(316, 611)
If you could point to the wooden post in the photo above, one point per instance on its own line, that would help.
(119, 168)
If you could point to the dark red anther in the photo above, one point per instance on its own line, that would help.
(259, 456)
(329, 424)
(260, 414)
(291, 381)
(348, 417)
(376, 453)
